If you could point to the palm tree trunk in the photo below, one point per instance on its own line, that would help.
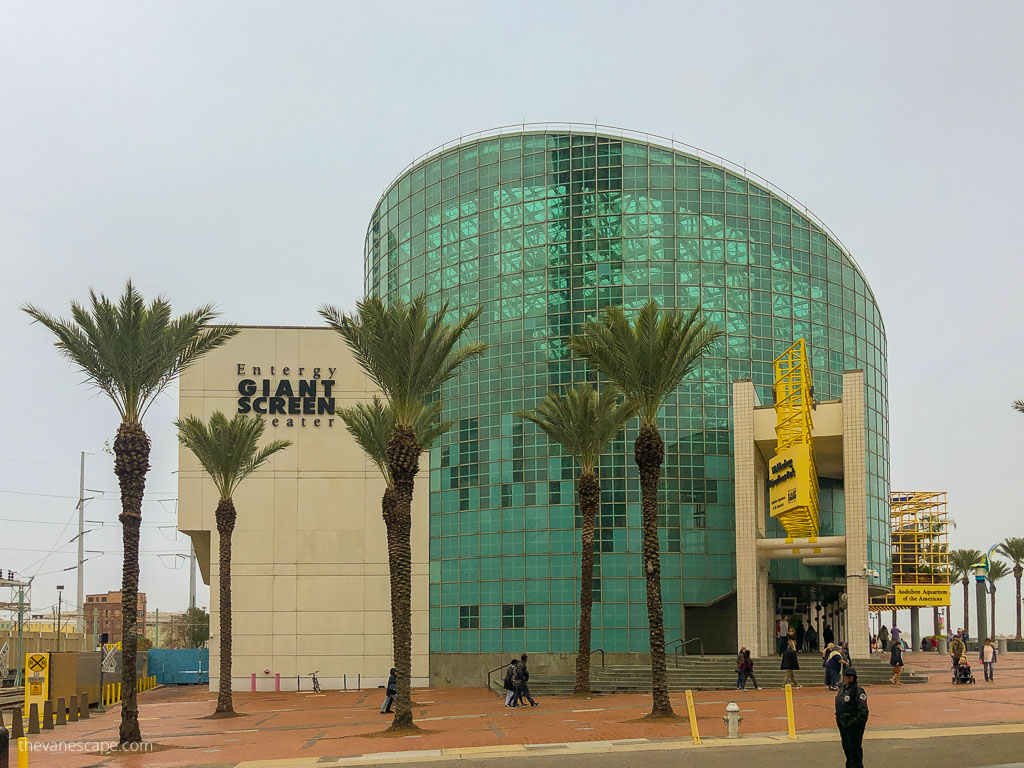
(649, 453)
(387, 511)
(225, 516)
(967, 608)
(131, 462)
(1018, 571)
(404, 463)
(935, 621)
(590, 499)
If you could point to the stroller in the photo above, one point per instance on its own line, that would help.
(962, 672)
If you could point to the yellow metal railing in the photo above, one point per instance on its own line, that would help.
(794, 393)
(112, 692)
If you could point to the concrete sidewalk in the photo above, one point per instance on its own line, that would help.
(280, 728)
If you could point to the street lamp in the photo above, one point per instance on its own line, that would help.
(60, 597)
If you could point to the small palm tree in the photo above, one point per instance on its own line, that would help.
(1012, 549)
(409, 353)
(997, 570)
(229, 452)
(132, 352)
(648, 360)
(962, 562)
(583, 422)
(372, 425)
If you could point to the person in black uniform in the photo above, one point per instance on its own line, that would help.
(851, 717)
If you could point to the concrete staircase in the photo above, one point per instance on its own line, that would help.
(708, 673)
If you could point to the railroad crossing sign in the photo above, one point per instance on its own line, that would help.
(37, 682)
(109, 663)
(3, 662)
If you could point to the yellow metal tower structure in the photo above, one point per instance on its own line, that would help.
(919, 524)
(794, 477)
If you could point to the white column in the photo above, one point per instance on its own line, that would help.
(751, 577)
(855, 492)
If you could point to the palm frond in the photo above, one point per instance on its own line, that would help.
(581, 420)
(997, 570)
(1018, 405)
(1012, 548)
(961, 562)
(648, 358)
(405, 349)
(229, 451)
(129, 351)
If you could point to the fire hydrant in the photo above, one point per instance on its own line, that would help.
(732, 719)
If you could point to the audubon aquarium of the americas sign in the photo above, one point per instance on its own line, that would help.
(291, 397)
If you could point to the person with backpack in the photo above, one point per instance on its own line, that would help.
(389, 693)
(739, 668)
(748, 671)
(510, 686)
(521, 679)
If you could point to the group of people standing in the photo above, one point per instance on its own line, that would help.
(805, 638)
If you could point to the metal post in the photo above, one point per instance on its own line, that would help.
(80, 609)
(95, 634)
(19, 659)
(915, 629)
(980, 592)
(191, 575)
(156, 643)
(60, 597)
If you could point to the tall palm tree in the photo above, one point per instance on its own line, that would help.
(1012, 549)
(648, 360)
(583, 422)
(132, 352)
(408, 352)
(997, 570)
(229, 451)
(962, 562)
(372, 425)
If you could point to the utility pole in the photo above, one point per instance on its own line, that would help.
(191, 575)
(156, 639)
(80, 608)
(60, 598)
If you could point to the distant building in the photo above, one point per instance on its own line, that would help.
(104, 613)
(159, 626)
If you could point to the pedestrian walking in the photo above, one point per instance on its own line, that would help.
(896, 662)
(851, 718)
(833, 664)
(522, 679)
(748, 671)
(739, 668)
(987, 656)
(509, 684)
(389, 693)
(782, 634)
(957, 648)
(883, 638)
(790, 664)
(895, 636)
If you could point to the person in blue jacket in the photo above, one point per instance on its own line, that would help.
(389, 694)
(852, 718)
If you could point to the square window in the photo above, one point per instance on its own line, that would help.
(513, 616)
(469, 617)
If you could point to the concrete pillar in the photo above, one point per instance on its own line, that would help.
(751, 573)
(855, 492)
(915, 629)
(981, 600)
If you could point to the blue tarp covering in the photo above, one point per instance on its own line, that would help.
(180, 666)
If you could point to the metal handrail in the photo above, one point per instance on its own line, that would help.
(610, 131)
(492, 671)
(681, 650)
(601, 651)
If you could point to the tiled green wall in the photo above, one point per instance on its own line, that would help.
(543, 230)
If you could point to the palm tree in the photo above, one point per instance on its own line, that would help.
(229, 452)
(408, 352)
(997, 570)
(132, 352)
(962, 561)
(372, 425)
(583, 422)
(648, 360)
(1018, 405)
(1012, 549)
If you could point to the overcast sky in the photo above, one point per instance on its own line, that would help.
(233, 152)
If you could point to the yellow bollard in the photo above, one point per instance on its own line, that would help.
(118, 691)
(22, 752)
(789, 711)
(693, 717)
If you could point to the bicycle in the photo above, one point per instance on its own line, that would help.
(316, 683)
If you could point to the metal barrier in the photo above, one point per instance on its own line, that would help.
(491, 672)
(681, 649)
(601, 651)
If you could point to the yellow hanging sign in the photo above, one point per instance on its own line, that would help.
(790, 481)
(921, 594)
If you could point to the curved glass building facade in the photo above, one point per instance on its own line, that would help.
(542, 229)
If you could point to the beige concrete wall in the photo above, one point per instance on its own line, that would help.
(310, 588)
(855, 492)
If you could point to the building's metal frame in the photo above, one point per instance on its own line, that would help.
(920, 542)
